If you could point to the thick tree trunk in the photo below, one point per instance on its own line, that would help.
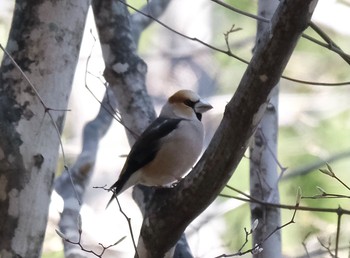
(263, 163)
(44, 40)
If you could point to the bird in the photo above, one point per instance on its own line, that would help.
(169, 146)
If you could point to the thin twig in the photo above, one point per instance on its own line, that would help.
(114, 113)
(304, 244)
(130, 228)
(338, 234)
(303, 170)
(331, 44)
(78, 243)
(316, 83)
(340, 181)
(227, 35)
(327, 247)
(230, 7)
(340, 52)
(258, 247)
(283, 206)
(325, 195)
(110, 110)
(185, 36)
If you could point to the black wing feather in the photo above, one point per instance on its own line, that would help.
(146, 147)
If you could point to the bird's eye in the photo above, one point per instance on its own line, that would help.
(190, 103)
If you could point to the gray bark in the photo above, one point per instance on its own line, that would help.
(263, 163)
(44, 40)
(125, 71)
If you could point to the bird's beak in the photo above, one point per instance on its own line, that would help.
(202, 106)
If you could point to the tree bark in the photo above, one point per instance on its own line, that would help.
(263, 163)
(125, 71)
(44, 40)
(171, 210)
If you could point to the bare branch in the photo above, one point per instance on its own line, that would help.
(316, 83)
(327, 246)
(80, 245)
(304, 244)
(257, 248)
(305, 169)
(230, 7)
(154, 8)
(248, 198)
(329, 172)
(185, 36)
(130, 227)
(331, 45)
(338, 234)
(227, 35)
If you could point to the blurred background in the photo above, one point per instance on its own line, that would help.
(314, 125)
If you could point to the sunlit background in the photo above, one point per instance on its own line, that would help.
(314, 125)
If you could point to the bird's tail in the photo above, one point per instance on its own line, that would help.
(110, 200)
(116, 189)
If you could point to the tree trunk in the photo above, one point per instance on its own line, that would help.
(263, 163)
(44, 40)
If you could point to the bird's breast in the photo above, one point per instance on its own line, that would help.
(177, 153)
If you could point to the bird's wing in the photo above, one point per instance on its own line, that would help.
(146, 147)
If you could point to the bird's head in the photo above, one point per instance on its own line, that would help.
(185, 104)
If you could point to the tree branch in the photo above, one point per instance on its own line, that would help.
(140, 22)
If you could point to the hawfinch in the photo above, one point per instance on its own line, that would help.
(169, 147)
